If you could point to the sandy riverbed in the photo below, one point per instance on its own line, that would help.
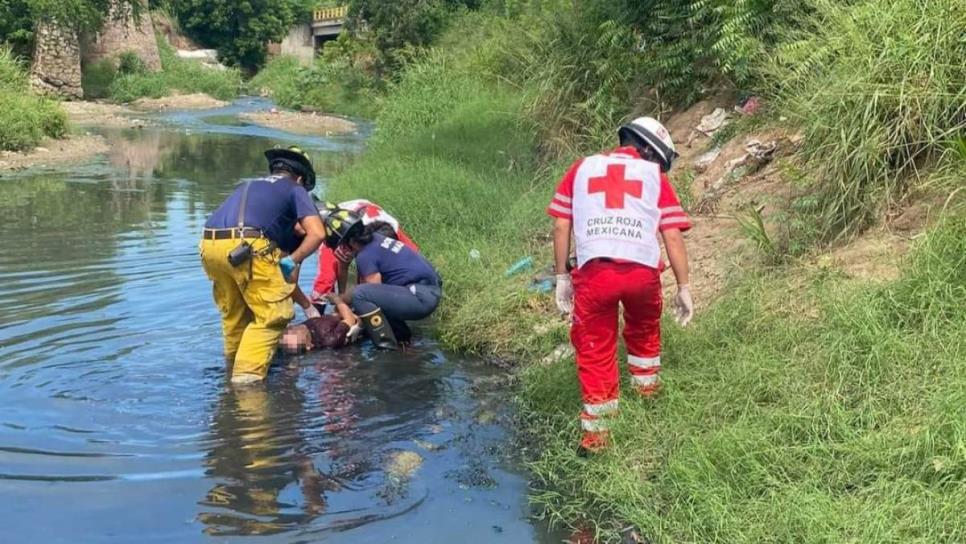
(313, 124)
(75, 149)
(78, 148)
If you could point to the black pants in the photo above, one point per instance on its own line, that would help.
(399, 303)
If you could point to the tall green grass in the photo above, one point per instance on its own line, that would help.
(452, 158)
(25, 119)
(804, 407)
(336, 82)
(832, 415)
(879, 88)
(176, 75)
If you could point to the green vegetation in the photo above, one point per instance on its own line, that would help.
(17, 26)
(25, 119)
(239, 30)
(337, 82)
(176, 75)
(880, 91)
(803, 406)
(398, 29)
(452, 157)
(18, 19)
(97, 78)
(832, 415)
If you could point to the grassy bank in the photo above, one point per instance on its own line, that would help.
(455, 158)
(130, 80)
(25, 119)
(803, 406)
(328, 85)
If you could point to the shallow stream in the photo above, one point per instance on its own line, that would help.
(117, 423)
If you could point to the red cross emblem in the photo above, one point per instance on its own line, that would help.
(614, 186)
(373, 210)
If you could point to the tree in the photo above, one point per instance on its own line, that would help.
(239, 29)
(17, 26)
(19, 17)
(401, 24)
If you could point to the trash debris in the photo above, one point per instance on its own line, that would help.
(402, 465)
(761, 151)
(428, 446)
(758, 155)
(560, 353)
(750, 107)
(632, 535)
(523, 264)
(541, 285)
(714, 121)
(474, 254)
(705, 159)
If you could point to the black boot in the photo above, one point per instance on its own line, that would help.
(402, 332)
(378, 329)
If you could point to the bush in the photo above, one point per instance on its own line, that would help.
(25, 119)
(129, 63)
(880, 91)
(176, 75)
(340, 81)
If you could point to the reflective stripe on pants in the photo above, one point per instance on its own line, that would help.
(254, 300)
(600, 289)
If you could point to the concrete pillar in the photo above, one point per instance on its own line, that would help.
(121, 33)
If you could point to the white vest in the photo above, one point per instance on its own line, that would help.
(615, 211)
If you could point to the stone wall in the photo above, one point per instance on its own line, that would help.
(121, 34)
(56, 68)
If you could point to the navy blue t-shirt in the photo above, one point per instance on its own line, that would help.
(275, 204)
(397, 263)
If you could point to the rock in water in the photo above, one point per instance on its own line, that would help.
(402, 465)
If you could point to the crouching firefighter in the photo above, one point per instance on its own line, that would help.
(252, 258)
(396, 283)
(334, 265)
(614, 204)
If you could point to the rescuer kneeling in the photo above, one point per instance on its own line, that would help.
(396, 283)
(250, 253)
(614, 204)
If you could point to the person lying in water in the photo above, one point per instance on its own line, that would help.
(326, 331)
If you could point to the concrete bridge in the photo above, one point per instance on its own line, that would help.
(327, 23)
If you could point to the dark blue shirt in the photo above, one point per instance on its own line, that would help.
(397, 263)
(275, 204)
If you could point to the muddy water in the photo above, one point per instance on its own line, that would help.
(117, 425)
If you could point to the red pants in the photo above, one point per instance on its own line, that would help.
(329, 266)
(600, 288)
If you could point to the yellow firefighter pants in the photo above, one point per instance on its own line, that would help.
(255, 303)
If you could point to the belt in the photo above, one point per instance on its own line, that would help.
(228, 234)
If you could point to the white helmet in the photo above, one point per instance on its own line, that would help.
(649, 132)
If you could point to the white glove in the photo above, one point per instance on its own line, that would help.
(311, 312)
(683, 305)
(565, 293)
(354, 332)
